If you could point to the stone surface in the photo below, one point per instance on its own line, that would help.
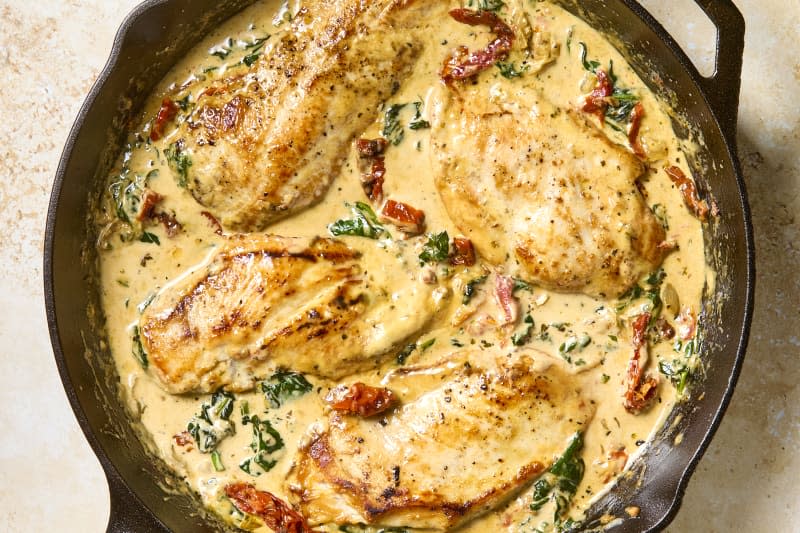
(50, 479)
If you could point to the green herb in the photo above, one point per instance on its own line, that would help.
(677, 372)
(283, 385)
(216, 461)
(266, 441)
(521, 285)
(392, 129)
(249, 59)
(560, 483)
(487, 5)
(680, 370)
(417, 123)
(469, 288)
(212, 424)
(149, 237)
(427, 344)
(560, 326)
(521, 337)
(569, 38)
(652, 293)
(364, 224)
(613, 338)
(576, 344)
(146, 302)
(510, 70)
(126, 191)
(403, 354)
(604, 378)
(138, 349)
(257, 44)
(184, 103)
(123, 283)
(179, 162)
(457, 343)
(590, 66)
(436, 249)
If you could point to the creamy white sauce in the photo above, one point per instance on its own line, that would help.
(132, 271)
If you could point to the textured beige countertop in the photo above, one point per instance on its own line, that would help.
(51, 51)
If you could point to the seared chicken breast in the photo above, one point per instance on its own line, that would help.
(267, 141)
(264, 302)
(537, 185)
(470, 432)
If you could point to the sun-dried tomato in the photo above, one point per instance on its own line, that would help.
(147, 206)
(372, 182)
(360, 399)
(368, 148)
(461, 64)
(183, 438)
(406, 218)
(463, 252)
(687, 188)
(597, 101)
(633, 130)
(213, 221)
(664, 329)
(170, 223)
(166, 113)
(275, 513)
(640, 390)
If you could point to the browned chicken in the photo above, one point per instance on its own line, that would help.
(267, 141)
(264, 302)
(470, 432)
(537, 185)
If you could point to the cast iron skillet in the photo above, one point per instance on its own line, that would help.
(159, 32)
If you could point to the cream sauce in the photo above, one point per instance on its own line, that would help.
(132, 271)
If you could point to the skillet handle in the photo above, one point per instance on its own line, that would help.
(722, 88)
(128, 513)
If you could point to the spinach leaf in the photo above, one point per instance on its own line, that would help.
(212, 424)
(560, 483)
(284, 385)
(179, 161)
(138, 349)
(266, 441)
(364, 224)
(403, 354)
(417, 122)
(436, 249)
(521, 337)
(149, 237)
(469, 288)
(392, 129)
(510, 70)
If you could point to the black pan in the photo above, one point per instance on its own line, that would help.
(144, 497)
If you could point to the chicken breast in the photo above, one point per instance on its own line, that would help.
(263, 302)
(472, 430)
(267, 141)
(537, 185)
